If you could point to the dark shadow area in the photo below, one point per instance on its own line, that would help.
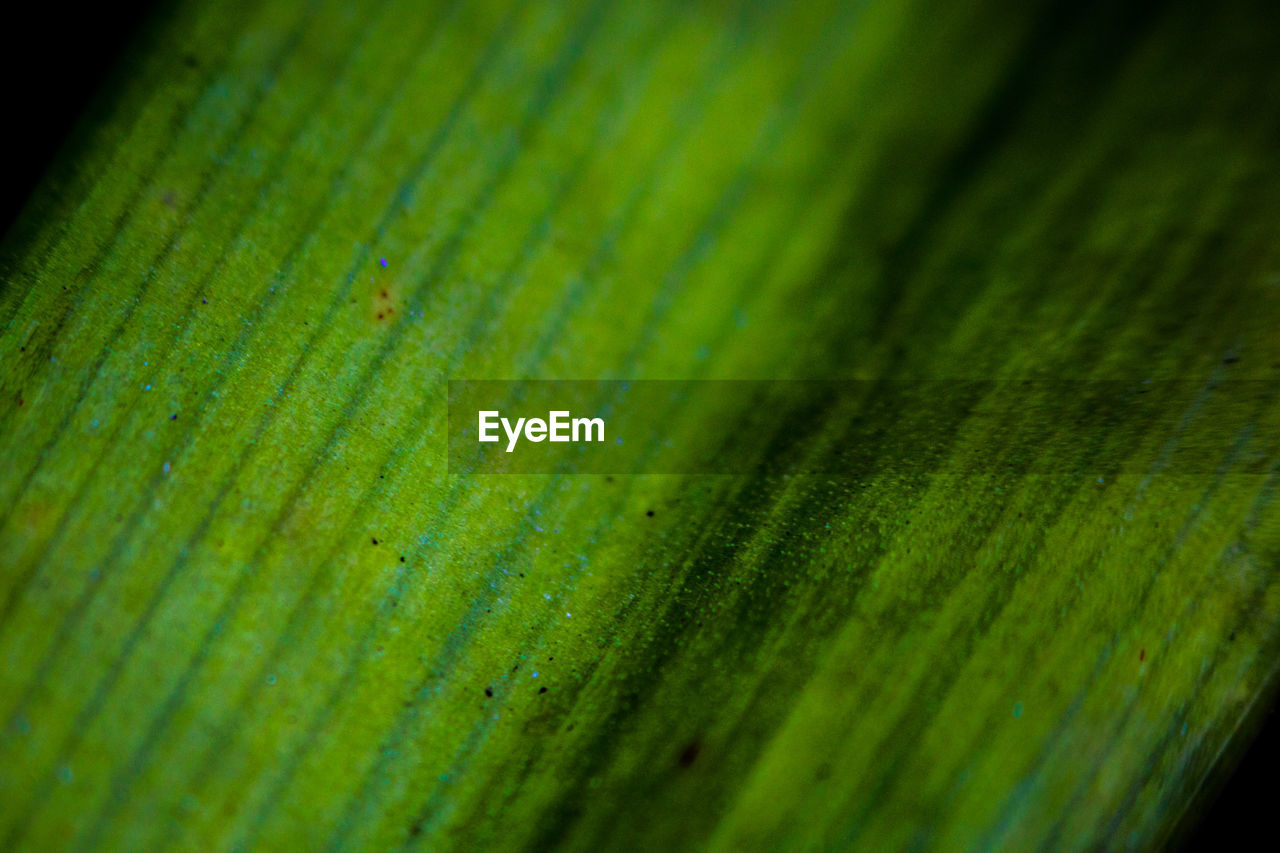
(1239, 815)
(54, 58)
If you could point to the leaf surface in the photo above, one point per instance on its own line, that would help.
(243, 604)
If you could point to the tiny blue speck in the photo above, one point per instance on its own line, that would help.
(383, 261)
(535, 675)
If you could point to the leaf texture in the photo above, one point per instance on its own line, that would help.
(243, 604)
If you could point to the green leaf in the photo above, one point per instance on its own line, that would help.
(243, 604)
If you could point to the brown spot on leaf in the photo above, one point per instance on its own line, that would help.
(383, 300)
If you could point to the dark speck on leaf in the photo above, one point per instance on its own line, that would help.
(1142, 655)
(689, 754)
(649, 513)
(402, 558)
(375, 541)
(488, 691)
(541, 690)
(173, 417)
